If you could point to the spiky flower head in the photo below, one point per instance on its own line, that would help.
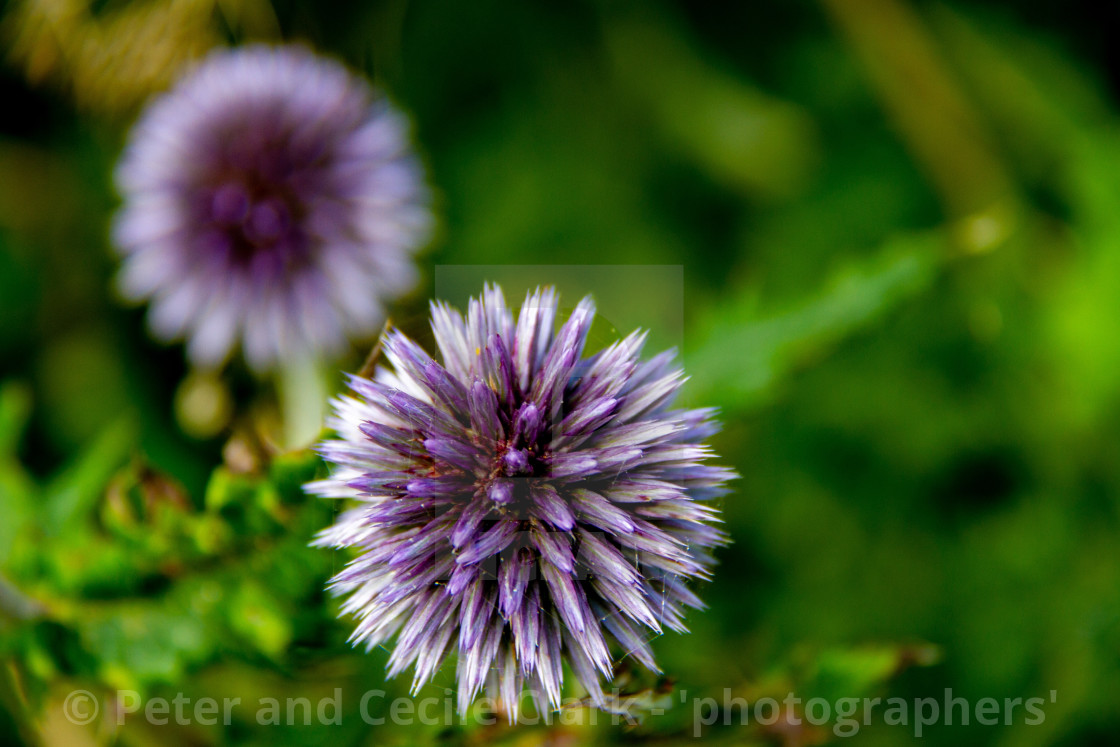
(270, 200)
(520, 504)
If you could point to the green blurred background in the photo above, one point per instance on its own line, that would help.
(899, 226)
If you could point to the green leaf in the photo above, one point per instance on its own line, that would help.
(227, 488)
(15, 409)
(139, 643)
(289, 471)
(73, 495)
(741, 136)
(854, 672)
(257, 617)
(748, 352)
(17, 490)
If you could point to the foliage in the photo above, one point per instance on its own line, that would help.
(901, 252)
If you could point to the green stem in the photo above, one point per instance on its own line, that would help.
(932, 114)
(302, 390)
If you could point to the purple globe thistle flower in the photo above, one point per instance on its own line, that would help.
(269, 200)
(520, 504)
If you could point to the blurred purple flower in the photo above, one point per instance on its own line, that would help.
(269, 200)
(518, 502)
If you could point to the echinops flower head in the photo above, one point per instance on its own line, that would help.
(271, 202)
(520, 505)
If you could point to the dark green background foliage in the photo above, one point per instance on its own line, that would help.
(899, 226)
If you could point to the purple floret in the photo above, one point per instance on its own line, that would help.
(270, 201)
(518, 504)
